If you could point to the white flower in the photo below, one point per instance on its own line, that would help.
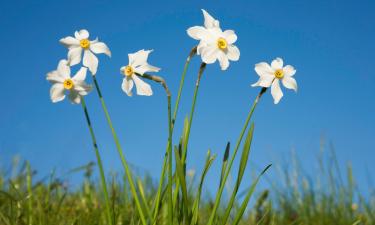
(214, 43)
(79, 43)
(62, 82)
(137, 67)
(271, 76)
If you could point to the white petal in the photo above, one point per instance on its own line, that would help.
(55, 77)
(209, 54)
(277, 64)
(69, 42)
(63, 69)
(146, 68)
(197, 32)
(230, 36)
(290, 83)
(142, 87)
(74, 55)
(201, 46)
(74, 97)
(82, 88)
(233, 53)
(127, 85)
(276, 92)
(209, 21)
(82, 34)
(264, 81)
(139, 58)
(223, 60)
(80, 75)
(57, 92)
(264, 69)
(90, 61)
(100, 47)
(289, 70)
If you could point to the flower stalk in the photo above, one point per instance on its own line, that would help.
(120, 152)
(99, 160)
(221, 188)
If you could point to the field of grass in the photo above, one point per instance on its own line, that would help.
(330, 197)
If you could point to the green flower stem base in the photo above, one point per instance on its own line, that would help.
(221, 188)
(121, 154)
(99, 160)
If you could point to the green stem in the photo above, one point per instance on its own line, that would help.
(169, 146)
(185, 144)
(121, 154)
(220, 191)
(30, 194)
(98, 158)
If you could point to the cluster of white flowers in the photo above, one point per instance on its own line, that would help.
(214, 44)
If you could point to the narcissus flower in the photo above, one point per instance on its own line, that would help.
(214, 43)
(271, 75)
(80, 42)
(137, 66)
(62, 82)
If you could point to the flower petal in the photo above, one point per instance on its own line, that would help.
(276, 92)
(55, 77)
(264, 81)
(209, 54)
(142, 87)
(80, 75)
(230, 36)
(289, 70)
(233, 53)
(139, 58)
(57, 92)
(82, 34)
(74, 97)
(277, 64)
(197, 32)
(290, 83)
(82, 88)
(264, 69)
(223, 60)
(90, 61)
(127, 86)
(146, 68)
(69, 42)
(74, 55)
(100, 47)
(209, 21)
(63, 69)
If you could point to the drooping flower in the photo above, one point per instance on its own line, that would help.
(137, 66)
(80, 42)
(215, 44)
(62, 83)
(271, 75)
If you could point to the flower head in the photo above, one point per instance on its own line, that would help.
(137, 66)
(215, 44)
(80, 42)
(271, 75)
(62, 82)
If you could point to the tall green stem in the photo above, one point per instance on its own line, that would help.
(185, 144)
(99, 160)
(121, 154)
(221, 188)
(169, 145)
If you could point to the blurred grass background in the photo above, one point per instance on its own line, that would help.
(329, 196)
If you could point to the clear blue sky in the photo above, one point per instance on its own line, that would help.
(331, 44)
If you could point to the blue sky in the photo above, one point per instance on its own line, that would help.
(331, 44)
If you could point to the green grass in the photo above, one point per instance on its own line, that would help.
(295, 198)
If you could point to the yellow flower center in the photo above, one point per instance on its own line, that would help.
(85, 43)
(128, 71)
(68, 84)
(222, 43)
(279, 73)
